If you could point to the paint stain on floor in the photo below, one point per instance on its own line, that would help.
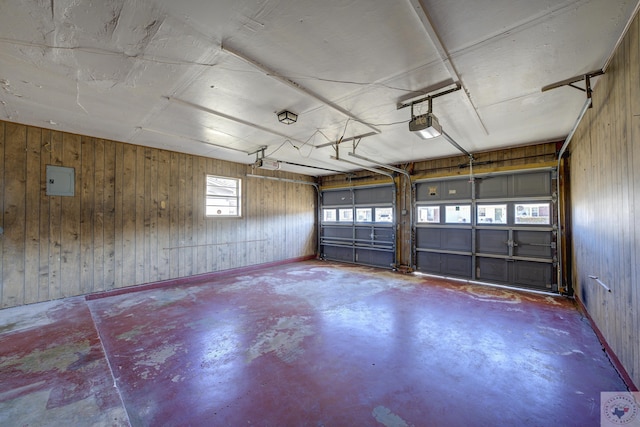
(284, 339)
(387, 418)
(53, 370)
(310, 343)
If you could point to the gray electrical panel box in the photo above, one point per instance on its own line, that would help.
(60, 181)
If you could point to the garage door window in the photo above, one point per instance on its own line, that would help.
(363, 215)
(429, 214)
(492, 214)
(345, 215)
(329, 215)
(533, 213)
(458, 214)
(384, 214)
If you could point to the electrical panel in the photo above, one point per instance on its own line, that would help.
(60, 181)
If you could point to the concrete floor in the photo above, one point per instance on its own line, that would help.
(310, 343)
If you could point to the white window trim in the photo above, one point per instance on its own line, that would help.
(237, 197)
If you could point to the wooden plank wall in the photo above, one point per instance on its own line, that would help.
(605, 204)
(137, 217)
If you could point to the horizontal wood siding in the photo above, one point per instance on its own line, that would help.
(605, 203)
(137, 217)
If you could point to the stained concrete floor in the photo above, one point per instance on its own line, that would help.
(305, 344)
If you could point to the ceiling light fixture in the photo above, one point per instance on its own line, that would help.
(287, 117)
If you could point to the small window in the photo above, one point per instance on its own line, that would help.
(458, 214)
(223, 197)
(429, 214)
(346, 215)
(533, 213)
(363, 215)
(329, 215)
(384, 214)
(492, 214)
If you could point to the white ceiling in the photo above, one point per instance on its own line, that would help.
(171, 74)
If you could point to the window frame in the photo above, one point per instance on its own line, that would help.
(238, 197)
(530, 207)
(345, 215)
(492, 207)
(377, 218)
(458, 207)
(369, 216)
(436, 217)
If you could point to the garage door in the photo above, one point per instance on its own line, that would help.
(358, 225)
(497, 228)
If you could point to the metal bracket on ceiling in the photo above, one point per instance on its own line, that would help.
(336, 148)
(258, 151)
(341, 140)
(428, 98)
(355, 144)
(336, 145)
(570, 82)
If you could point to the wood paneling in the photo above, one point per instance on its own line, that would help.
(137, 217)
(44, 280)
(15, 190)
(605, 199)
(32, 215)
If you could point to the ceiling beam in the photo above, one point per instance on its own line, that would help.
(175, 135)
(307, 92)
(382, 165)
(425, 19)
(381, 172)
(231, 118)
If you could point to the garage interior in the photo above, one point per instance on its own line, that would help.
(274, 212)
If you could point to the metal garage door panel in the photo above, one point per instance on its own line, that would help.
(373, 195)
(337, 232)
(492, 242)
(338, 253)
(456, 265)
(428, 238)
(364, 233)
(532, 274)
(491, 187)
(338, 197)
(453, 239)
(444, 264)
(382, 236)
(497, 250)
(429, 262)
(456, 189)
(532, 184)
(492, 270)
(370, 239)
(426, 191)
(373, 257)
(536, 244)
